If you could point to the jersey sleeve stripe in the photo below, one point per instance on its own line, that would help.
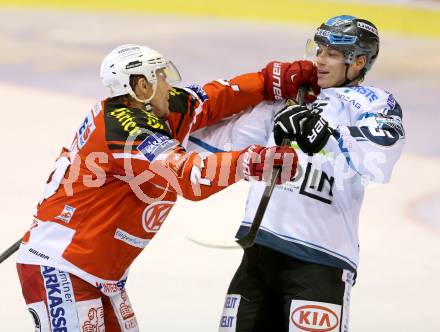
(204, 145)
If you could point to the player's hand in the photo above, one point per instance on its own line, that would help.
(303, 124)
(259, 161)
(282, 80)
(315, 133)
(289, 121)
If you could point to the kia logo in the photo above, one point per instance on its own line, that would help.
(155, 214)
(314, 318)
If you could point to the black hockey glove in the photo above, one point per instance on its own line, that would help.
(315, 133)
(289, 122)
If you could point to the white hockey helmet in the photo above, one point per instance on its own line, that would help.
(131, 59)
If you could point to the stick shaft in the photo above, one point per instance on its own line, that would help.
(8, 252)
(249, 239)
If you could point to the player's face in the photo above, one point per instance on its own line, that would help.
(160, 103)
(331, 67)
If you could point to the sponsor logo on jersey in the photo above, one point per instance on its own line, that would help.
(36, 319)
(156, 144)
(60, 299)
(370, 94)
(349, 100)
(110, 287)
(315, 183)
(314, 316)
(95, 320)
(40, 316)
(227, 321)
(155, 214)
(229, 316)
(130, 239)
(127, 120)
(85, 130)
(67, 214)
(386, 122)
(153, 121)
(39, 254)
(129, 123)
(126, 311)
(199, 91)
(391, 102)
(175, 92)
(367, 27)
(90, 315)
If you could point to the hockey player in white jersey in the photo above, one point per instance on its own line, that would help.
(298, 275)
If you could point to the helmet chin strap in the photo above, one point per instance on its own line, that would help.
(146, 102)
(347, 81)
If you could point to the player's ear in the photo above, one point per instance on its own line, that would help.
(143, 83)
(143, 88)
(360, 62)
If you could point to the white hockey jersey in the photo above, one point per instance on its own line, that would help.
(315, 216)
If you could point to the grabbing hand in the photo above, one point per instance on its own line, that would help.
(259, 161)
(303, 124)
(315, 133)
(289, 122)
(282, 80)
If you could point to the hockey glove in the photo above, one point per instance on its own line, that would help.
(283, 79)
(259, 161)
(315, 133)
(289, 122)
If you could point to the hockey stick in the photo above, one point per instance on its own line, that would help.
(249, 239)
(8, 252)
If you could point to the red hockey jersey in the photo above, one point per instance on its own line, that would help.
(113, 188)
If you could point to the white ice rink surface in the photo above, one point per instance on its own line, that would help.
(176, 285)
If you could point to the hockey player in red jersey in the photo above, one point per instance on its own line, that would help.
(110, 192)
